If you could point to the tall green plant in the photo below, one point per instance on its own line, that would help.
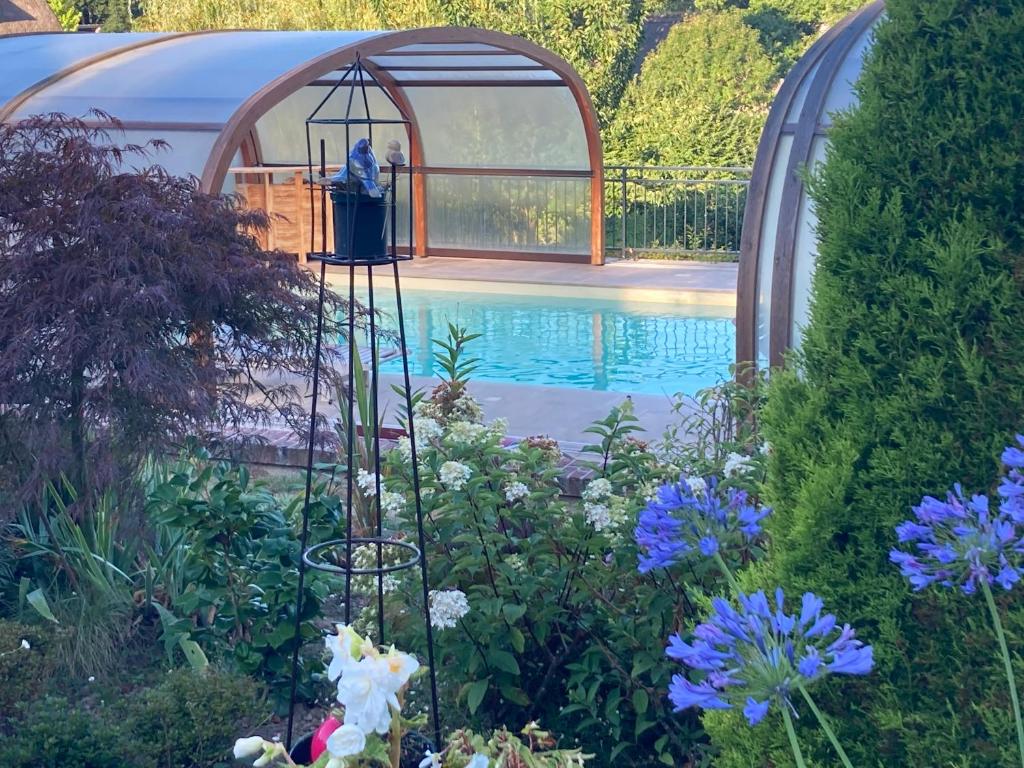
(910, 377)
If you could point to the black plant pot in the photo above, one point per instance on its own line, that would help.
(359, 224)
(414, 747)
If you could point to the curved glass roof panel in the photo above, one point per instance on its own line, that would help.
(196, 78)
(28, 59)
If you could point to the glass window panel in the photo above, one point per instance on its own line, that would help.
(509, 213)
(202, 78)
(766, 250)
(805, 251)
(841, 94)
(282, 131)
(469, 75)
(512, 60)
(434, 47)
(27, 59)
(508, 127)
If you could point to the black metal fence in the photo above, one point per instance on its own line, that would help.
(674, 211)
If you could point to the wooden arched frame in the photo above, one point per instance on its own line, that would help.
(244, 119)
(822, 62)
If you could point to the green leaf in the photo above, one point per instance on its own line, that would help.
(640, 700)
(518, 641)
(504, 661)
(475, 694)
(37, 600)
(193, 653)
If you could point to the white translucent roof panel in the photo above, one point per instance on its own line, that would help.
(507, 127)
(439, 60)
(27, 59)
(201, 78)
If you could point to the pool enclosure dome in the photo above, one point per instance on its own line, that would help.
(505, 148)
(779, 245)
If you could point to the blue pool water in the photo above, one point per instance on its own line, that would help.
(583, 343)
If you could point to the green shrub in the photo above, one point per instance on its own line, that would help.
(51, 732)
(910, 379)
(23, 672)
(192, 719)
(700, 99)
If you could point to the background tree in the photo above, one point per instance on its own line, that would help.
(911, 378)
(700, 99)
(134, 309)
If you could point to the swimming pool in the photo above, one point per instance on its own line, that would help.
(583, 343)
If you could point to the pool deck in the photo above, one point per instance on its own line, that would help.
(675, 282)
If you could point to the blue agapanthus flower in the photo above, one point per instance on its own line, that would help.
(759, 655)
(962, 541)
(691, 517)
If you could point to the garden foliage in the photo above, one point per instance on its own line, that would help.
(135, 309)
(910, 378)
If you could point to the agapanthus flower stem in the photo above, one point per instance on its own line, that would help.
(826, 728)
(793, 743)
(728, 573)
(1001, 636)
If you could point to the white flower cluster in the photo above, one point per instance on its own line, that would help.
(365, 557)
(454, 475)
(515, 491)
(597, 490)
(447, 607)
(465, 432)
(736, 464)
(368, 685)
(598, 515)
(367, 482)
(697, 484)
(515, 561)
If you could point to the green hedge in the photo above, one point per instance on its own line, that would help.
(911, 378)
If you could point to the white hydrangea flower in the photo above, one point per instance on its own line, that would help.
(454, 474)
(598, 515)
(465, 432)
(391, 503)
(736, 463)
(697, 484)
(447, 607)
(404, 447)
(367, 482)
(597, 489)
(426, 429)
(515, 491)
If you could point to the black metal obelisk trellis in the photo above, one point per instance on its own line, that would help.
(365, 237)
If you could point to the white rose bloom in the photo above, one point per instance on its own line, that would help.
(454, 474)
(367, 482)
(515, 491)
(597, 490)
(361, 690)
(736, 463)
(447, 607)
(345, 741)
(697, 485)
(247, 747)
(598, 515)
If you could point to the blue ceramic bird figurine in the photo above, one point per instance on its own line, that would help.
(361, 170)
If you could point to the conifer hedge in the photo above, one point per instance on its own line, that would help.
(911, 377)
